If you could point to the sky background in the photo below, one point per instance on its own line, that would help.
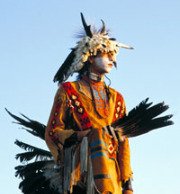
(35, 38)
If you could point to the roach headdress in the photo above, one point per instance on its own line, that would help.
(89, 45)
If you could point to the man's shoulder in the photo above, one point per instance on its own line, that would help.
(115, 92)
(70, 84)
(67, 83)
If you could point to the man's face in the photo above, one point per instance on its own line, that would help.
(103, 63)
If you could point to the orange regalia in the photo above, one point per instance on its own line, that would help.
(99, 162)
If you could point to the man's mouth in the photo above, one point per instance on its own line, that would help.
(110, 64)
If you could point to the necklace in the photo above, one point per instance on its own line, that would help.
(100, 96)
(96, 77)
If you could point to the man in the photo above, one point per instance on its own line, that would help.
(93, 156)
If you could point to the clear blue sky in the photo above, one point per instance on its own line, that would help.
(35, 37)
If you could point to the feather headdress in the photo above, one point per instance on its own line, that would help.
(89, 45)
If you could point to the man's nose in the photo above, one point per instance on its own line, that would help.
(110, 57)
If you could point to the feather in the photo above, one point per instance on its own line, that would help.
(52, 174)
(86, 27)
(32, 152)
(61, 74)
(36, 183)
(103, 29)
(36, 128)
(25, 170)
(143, 118)
(34, 178)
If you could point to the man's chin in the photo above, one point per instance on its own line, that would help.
(108, 70)
(104, 71)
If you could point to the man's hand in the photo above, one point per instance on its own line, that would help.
(81, 134)
(119, 131)
(127, 192)
(127, 187)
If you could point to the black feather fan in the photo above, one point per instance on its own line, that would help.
(143, 118)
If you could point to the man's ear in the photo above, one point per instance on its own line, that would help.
(91, 59)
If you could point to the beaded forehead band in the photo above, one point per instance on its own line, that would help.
(89, 45)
